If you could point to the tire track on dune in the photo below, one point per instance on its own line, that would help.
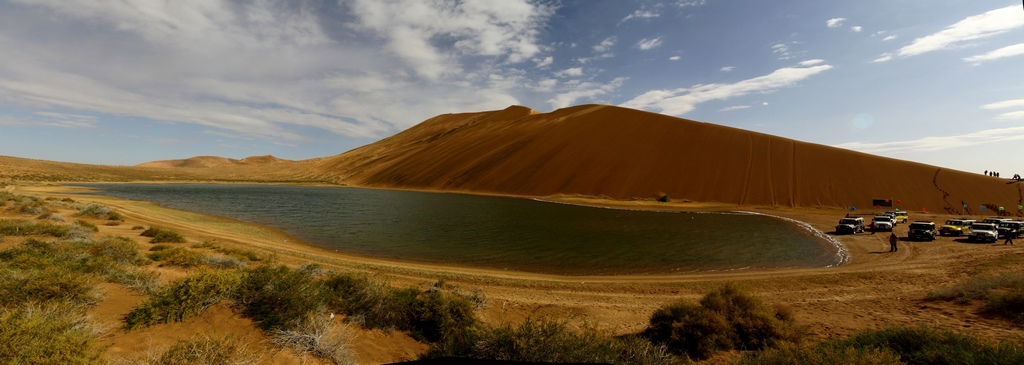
(792, 179)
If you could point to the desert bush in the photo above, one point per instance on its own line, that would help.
(315, 335)
(20, 227)
(136, 228)
(184, 298)
(979, 288)
(86, 225)
(161, 235)
(223, 262)
(824, 353)
(278, 297)
(177, 256)
(140, 280)
(56, 333)
(97, 211)
(202, 350)
(1007, 304)
(925, 345)
(436, 316)
(57, 218)
(369, 303)
(122, 250)
(550, 341)
(29, 205)
(243, 254)
(724, 319)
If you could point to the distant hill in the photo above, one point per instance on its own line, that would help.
(212, 161)
(599, 150)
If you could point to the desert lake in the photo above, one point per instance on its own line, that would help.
(503, 233)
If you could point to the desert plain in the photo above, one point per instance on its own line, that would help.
(589, 155)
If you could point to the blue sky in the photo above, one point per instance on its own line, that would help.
(123, 82)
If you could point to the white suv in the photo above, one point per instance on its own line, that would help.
(982, 232)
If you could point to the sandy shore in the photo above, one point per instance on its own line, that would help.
(873, 290)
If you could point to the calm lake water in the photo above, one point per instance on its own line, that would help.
(504, 233)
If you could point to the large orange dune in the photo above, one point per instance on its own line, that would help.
(600, 150)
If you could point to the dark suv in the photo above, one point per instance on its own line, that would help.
(1005, 227)
(921, 230)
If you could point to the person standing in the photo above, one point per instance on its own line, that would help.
(1010, 235)
(893, 247)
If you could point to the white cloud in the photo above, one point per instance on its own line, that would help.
(835, 22)
(570, 72)
(685, 3)
(727, 68)
(605, 45)
(545, 62)
(811, 62)
(889, 38)
(1011, 116)
(883, 58)
(674, 58)
(683, 100)
(930, 144)
(648, 44)
(1004, 104)
(584, 90)
(1008, 51)
(257, 69)
(546, 85)
(971, 28)
(641, 14)
(764, 103)
(734, 107)
(857, 28)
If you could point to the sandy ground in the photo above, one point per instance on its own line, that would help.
(874, 290)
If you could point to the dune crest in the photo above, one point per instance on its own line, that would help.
(601, 150)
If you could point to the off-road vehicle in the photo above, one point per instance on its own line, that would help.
(982, 232)
(883, 222)
(901, 216)
(921, 230)
(956, 227)
(850, 225)
(1004, 228)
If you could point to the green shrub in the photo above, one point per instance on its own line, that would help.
(277, 297)
(20, 227)
(122, 250)
(725, 319)
(367, 302)
(825, 353)
(924, 345)
(47, 334)
(549, 341)
(979, 288)
(1009, 305)
(87, 225)
(437, 316)
(184, 298)
(161, 235)
(99, 211)
(177, 256)
(136, 228)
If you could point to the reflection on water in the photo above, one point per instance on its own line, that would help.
(503, 233)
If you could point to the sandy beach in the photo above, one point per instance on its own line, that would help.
(874, 290)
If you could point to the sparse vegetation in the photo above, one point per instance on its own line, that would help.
(177, 256)
(823, 353)
(52, 333)
(317, 336)
(21, 227)
(161, 235)
(925, 345)
(86, 225)
(550, 341)
(201, 351)
(724, 319)
(1003, 295)
(184, 298)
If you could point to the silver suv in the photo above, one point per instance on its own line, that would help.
(981, 232)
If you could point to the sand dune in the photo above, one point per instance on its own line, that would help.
(212, 161)
(598, 150)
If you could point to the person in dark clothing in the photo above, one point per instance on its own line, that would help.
(893, 247)
(1010, 235)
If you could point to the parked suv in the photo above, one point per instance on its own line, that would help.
(921, 230)
(850, 225)
(981, 232)
(883, 222)
(956, 227)
(1004, 228)
(901, 216)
